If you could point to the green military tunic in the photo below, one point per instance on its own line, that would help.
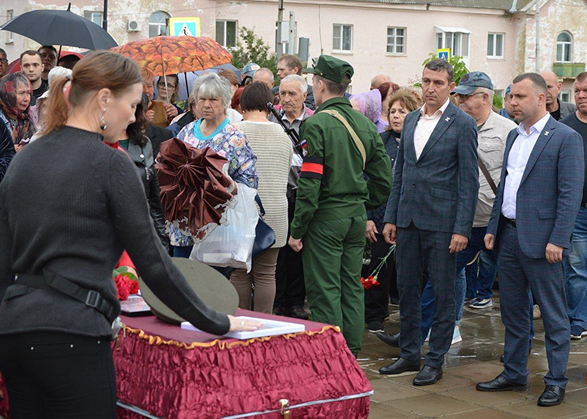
(330, 215)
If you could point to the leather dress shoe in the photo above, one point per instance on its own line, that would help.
(400, 366)
(428, 375)
(551, 396)
(500, 383)
(391, 340)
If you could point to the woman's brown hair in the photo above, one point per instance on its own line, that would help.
(408, 98)
(97, 70)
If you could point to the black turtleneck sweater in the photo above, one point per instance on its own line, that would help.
(69, 204)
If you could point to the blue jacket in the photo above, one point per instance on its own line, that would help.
(438, 191)
(550, 193)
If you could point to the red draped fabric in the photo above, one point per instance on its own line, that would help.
(180, 374)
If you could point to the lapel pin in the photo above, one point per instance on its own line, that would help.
(447, 118)
(546, 133)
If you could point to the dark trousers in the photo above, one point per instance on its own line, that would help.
(289, 274)
(58, 375)
(517, 273)
(413, 247)
(377, 298)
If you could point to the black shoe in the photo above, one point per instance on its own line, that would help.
(391, 340)
(428, 375)
(501, 384)
(299, 313)
(551, 396)
(400, 366)
(280, 311)
(355, 354)
(375, 327)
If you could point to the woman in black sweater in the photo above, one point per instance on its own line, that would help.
(69, 205)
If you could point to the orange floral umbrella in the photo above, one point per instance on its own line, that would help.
(164, 55)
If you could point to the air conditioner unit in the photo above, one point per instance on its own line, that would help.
(134, 26)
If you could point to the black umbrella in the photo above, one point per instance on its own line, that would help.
(60, 27)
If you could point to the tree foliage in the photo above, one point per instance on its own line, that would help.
(252, 49)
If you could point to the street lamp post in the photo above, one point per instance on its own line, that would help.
(105, 16)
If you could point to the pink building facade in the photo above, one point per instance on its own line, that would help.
(376, 37)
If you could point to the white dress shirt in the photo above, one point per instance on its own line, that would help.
(517, 161)
(425, 126)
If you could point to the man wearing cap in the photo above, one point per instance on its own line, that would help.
(430, 212)
(248, 72)
(330, 216)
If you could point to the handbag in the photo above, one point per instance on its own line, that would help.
(264, 234)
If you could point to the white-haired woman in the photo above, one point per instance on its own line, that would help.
(213, 129)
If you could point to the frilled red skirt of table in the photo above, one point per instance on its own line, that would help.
(163, 371)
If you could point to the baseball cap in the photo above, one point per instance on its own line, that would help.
(471, 81)
(250, 69)
(332, 68)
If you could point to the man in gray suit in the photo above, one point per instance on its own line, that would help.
(557, 109)
(531, 226)
(430, 212)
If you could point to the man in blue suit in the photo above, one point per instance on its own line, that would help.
(430, 212)
(531, 227)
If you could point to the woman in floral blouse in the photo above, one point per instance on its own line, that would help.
(213, 130)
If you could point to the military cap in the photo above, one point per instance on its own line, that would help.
(331, 68)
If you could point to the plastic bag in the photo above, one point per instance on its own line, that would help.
(232, 244)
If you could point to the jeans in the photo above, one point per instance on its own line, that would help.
(474, 245)
(576, 273)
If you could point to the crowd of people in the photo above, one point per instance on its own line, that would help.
(463, 190)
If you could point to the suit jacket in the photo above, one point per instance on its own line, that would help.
(550, 192)
(566, 108)
(438, 191)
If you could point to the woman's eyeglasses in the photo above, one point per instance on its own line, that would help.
(169, 85)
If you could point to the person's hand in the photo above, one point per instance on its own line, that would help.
(489, 240)
(390, 233)
(458, 243)
(18, 147)
(371, 231)
(295, 244)
(150, 115)
(242, 325)
(170, 110)
(554, 253)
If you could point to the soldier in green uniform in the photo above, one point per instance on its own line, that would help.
(330, 215)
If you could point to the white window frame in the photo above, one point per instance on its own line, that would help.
(452, 38)
(341, 38)
(492, 38)
(9, 35)
(160, 24)
(92, 15)
(394, 36)
(565, 46)
(224, 32)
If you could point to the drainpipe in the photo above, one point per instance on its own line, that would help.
(538, 36)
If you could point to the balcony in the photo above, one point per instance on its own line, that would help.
(568, 70)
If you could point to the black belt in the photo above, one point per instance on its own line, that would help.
(50, 281)
(510, 222)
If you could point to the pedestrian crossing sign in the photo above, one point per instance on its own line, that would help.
(443, 54)
(184, 26)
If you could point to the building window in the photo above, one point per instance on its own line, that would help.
(495, 45)
(95, 17)
(396, 40)
(158, 24)
(565, 96)
(342, 39)
(455, 39)
(564, 46)
(226, 33)
(9, 35)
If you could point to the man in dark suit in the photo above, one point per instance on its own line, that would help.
(430, 211)
(531, 226)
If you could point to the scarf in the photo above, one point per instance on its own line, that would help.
(21, 122)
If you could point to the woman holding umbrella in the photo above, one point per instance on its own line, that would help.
(16, 112)
(55, 355)
(213, 95)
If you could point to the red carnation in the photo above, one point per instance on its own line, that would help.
(122, 287)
